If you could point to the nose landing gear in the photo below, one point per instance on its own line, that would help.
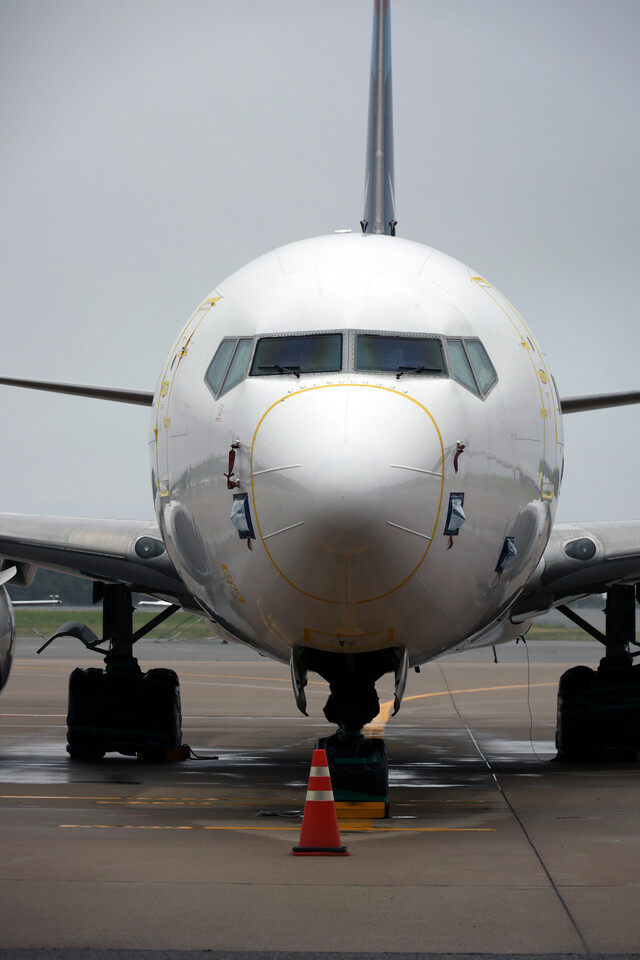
(358, 764)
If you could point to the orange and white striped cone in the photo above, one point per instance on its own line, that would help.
(320, 836)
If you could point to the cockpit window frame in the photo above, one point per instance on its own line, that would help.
(218, 393)
(399, 334)
(485, 391)
(348, 358)
(479, 393)
(341, 332)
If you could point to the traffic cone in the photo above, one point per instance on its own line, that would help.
(319, 836)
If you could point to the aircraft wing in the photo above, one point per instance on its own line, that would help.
(112, 551)
(581, 559)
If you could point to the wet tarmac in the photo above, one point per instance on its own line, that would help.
(492, 846)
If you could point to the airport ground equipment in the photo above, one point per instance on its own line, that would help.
(359, 773)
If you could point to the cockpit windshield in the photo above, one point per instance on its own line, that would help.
(314, 353)
(399, 355)
(407, 355)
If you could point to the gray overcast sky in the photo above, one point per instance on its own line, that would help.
(151, 147)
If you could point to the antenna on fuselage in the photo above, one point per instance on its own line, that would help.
(379, 198)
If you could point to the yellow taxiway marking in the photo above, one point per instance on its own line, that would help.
(63, 671)
(377, 725)
(510, 686)
(345, 827)
(231, 676)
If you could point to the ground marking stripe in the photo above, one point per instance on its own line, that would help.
(377, 725)
(344, 825)
(511, 686)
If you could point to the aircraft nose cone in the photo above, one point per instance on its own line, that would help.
(347, 486)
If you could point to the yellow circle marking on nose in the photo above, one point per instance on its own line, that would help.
(329, 386)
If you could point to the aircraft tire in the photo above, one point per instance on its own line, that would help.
(162, 688)
(85, 754)
(599, 714)
(124, 711)
(575, 712)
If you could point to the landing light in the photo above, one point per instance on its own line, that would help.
(582, 549)
(148, 547)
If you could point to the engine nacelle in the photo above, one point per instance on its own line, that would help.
(7, 636)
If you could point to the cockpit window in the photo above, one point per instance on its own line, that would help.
(470, 365)
(238, 365)
(405, 355)
(484, 369)
(229, 365)
(460, 366)
(399, 355)
(218, 366)
(314, 353)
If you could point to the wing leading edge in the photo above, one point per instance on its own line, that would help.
(130, 552)
(580, 560)
(144, 398)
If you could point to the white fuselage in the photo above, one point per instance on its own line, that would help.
(349, 475)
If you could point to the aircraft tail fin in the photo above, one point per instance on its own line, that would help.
(379, 200)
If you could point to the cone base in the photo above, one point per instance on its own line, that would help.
(320, 852)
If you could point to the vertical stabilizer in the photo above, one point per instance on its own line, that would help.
(379, 200)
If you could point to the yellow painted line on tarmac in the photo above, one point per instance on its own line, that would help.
(510, 686)
(44, 796)
(63, 671)
(377, 725)
(347, 828)
(194, 801)
(231, 676)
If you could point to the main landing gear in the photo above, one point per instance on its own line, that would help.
(599, 710)
(121, 708)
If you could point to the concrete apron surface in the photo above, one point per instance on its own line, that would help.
(492, 846)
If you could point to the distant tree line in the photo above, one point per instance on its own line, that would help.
(72, 591)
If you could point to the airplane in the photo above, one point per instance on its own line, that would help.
(356, 455)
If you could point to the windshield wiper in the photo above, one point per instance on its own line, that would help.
(276, 366)
(402, 370)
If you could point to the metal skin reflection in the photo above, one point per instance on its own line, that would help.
(348, 475)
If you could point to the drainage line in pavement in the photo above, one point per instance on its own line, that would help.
(561, 899)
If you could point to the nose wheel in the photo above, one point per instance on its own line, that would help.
(351, 705)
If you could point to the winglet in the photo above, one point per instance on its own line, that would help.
(379, 200)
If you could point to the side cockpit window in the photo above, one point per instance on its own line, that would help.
(399, 354)
(483, 368)
(461, 366)
(295, 355)
(219, 365)
(229, 365)
(471, 366)
(238, 365)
